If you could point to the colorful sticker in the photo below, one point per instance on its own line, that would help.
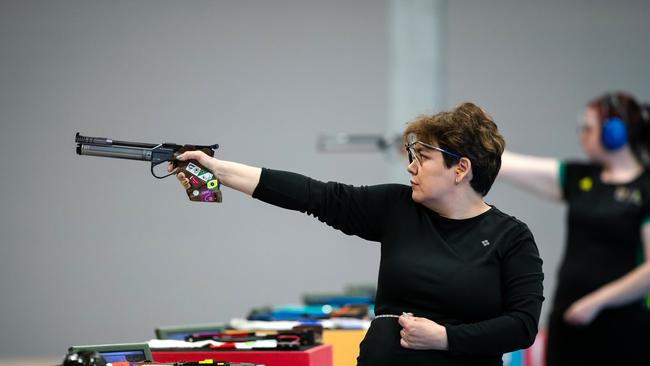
(205, 176)
(195, 182)
(195, 193)
(213, 185)
(192, 168)
(207, 196)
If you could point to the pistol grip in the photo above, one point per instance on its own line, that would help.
(204, 186)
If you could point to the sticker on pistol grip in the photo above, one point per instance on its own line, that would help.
(213, 184)
(192, 168)
(207, 196)
(195, 181)
(205, 175)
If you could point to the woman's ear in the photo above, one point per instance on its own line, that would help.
(463, 169)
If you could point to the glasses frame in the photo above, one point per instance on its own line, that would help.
(413, 155)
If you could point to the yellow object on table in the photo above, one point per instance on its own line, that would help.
(345, 345)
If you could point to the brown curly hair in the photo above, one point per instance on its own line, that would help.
(467, 131)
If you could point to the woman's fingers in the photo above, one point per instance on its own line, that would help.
(197, 155)
(184, 181)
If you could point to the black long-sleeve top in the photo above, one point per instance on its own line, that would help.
(481, 277)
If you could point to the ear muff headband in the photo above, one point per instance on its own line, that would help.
(614, 132)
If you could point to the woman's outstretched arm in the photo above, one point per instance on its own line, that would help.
(537, 175)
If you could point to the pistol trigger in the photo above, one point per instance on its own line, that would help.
(154, 173)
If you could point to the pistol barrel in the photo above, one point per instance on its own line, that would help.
(120, 152)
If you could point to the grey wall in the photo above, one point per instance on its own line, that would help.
(96, 251)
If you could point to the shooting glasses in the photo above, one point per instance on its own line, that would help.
(413, 153)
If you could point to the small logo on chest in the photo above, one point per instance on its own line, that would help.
(626, 195)
(585, 184)
(485, 243)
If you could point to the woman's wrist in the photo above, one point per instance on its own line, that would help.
(443, 341)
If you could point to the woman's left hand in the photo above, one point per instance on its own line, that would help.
(422, 333)
(583, 311)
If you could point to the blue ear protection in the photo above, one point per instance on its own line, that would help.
(614, 132)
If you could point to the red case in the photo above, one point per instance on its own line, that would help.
(314, 356)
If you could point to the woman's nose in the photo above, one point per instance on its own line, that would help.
(412, 167)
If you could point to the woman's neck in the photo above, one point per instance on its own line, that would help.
(621, 167)
(463, 205)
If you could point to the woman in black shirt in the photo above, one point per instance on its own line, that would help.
(460, 282)
(600, 312)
